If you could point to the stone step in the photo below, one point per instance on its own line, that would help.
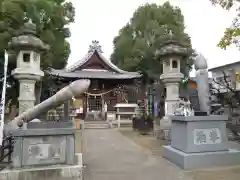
(95, 122)
(126, 125)
(96, 125)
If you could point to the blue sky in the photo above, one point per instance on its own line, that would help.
(101, 20)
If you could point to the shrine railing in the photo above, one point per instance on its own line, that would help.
(58, 114)
(6, 151)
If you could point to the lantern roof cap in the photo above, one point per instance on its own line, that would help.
(28, 39)
(171, 46)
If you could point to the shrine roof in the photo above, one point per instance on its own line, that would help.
(94, 74)
(86, 67)
(94, 48)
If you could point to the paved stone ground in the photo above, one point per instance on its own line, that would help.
(111, 156)
(78, 141)
(154, 146)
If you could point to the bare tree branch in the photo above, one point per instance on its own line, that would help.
(231, 97)
(226, 83)
(229, 86)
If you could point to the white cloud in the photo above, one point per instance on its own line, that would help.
(101, 20)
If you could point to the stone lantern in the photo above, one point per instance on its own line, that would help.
(171, 52)
(28, 48)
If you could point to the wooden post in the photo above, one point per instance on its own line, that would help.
(102, 102)
(82, 135)
(66, 113)
(87, 105)
(119, 121)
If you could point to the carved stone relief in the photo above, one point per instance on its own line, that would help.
(23, 107)
(27, 91)
(207, 136)
(26, 88)
(44, 150)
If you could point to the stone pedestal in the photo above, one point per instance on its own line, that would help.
(44, 150)
(43, 144)
(200, 142)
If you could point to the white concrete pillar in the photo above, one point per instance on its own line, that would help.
(172, 97)
(171, 81)
(26, 94)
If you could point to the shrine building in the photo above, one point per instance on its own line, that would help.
(105, 78)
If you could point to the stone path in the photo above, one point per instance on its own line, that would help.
(111, 156)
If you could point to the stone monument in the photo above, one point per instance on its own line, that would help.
(43, 150)
(171, 53)
(200, 141)
(202, 82)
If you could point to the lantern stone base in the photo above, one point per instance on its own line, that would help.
(201, 160)
(165, 128)
(156, 131)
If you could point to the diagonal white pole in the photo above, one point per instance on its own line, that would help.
(2, 104)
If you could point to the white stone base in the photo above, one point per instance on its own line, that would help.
(57, 172)
(202, 160)
(165, 123)
(156, 131)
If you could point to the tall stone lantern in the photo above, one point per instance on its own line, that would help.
(171, 53)
(28, 48)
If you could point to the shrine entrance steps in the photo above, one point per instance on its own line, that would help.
(96, 125)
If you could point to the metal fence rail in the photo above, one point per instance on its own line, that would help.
(6, 151)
